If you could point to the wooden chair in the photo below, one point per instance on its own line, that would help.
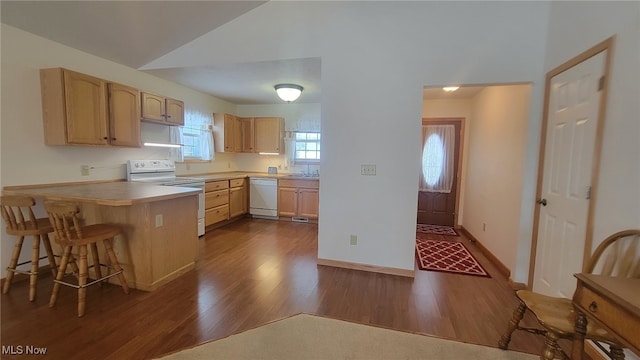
(64, 217)
(18, 215)
(617, 256)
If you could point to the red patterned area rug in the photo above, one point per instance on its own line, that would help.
(436, 229)
(447, 256)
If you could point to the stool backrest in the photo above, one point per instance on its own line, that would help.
(618, 255)
(17, 213)
(65, 221)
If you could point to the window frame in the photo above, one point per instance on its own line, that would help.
(307, 141)
(197, 131)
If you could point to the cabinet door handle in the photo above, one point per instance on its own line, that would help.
(168, 116)
(113, 138)
(105, 138)
(593, 307)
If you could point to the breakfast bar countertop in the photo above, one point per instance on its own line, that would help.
(119, 193)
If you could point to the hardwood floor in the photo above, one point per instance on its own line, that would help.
(249, 273)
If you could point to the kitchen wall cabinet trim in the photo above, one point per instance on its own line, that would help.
(80, 109)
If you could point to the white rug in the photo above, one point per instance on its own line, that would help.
(312, 337)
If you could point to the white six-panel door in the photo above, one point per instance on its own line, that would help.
(574, 102)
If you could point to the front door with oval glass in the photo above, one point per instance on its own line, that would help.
(438, 172)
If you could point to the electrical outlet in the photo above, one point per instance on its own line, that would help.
(368, 169)
(159, 220)
(353, 240)
(84, 170)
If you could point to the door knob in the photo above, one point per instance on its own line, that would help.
(542, 201)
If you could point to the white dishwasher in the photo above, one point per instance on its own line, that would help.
(263, 198)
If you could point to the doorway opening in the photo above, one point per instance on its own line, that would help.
(439, 171)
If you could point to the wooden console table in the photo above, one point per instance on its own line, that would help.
(613, 303)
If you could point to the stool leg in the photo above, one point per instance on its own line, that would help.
(35, 260)
(82, 280)
(551, 344)
(61, 271)
(12, 265)
(96, 261)
(518, 314)
(116, 265)
(50, 256)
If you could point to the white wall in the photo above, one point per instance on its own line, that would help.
(618, 197)
(24, 157)
(376, 58)
(495, 173)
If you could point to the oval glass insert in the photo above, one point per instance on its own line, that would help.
(432, 159)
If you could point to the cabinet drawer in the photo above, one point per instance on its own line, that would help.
(306, 184)
(216, 198)
(216, 185)
(606, 312)
(215, 215)
(236, 182)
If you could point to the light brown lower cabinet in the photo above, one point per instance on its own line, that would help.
(216, 202)
(224, 200)
(238, 197)
(298, 198)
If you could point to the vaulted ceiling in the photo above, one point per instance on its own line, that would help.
(134, 33)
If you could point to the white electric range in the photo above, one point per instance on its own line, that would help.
(163, 172)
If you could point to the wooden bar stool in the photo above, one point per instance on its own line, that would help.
(18, 215)
(64, 217)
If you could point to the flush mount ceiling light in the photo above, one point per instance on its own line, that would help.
(288, 92)
(450, 88)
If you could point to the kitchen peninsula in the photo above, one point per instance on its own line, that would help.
(160, 224)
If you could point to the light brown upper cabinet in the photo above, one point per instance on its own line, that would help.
(160, 109)
(124, 107)
(227, 133)
(80, 109)
(248, 138)
(269, 135)
(248, 135)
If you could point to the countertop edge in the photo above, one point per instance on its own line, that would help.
(248, 174)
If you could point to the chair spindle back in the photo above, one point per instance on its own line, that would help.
(618, 255)
(64, 219)
(17, 213)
